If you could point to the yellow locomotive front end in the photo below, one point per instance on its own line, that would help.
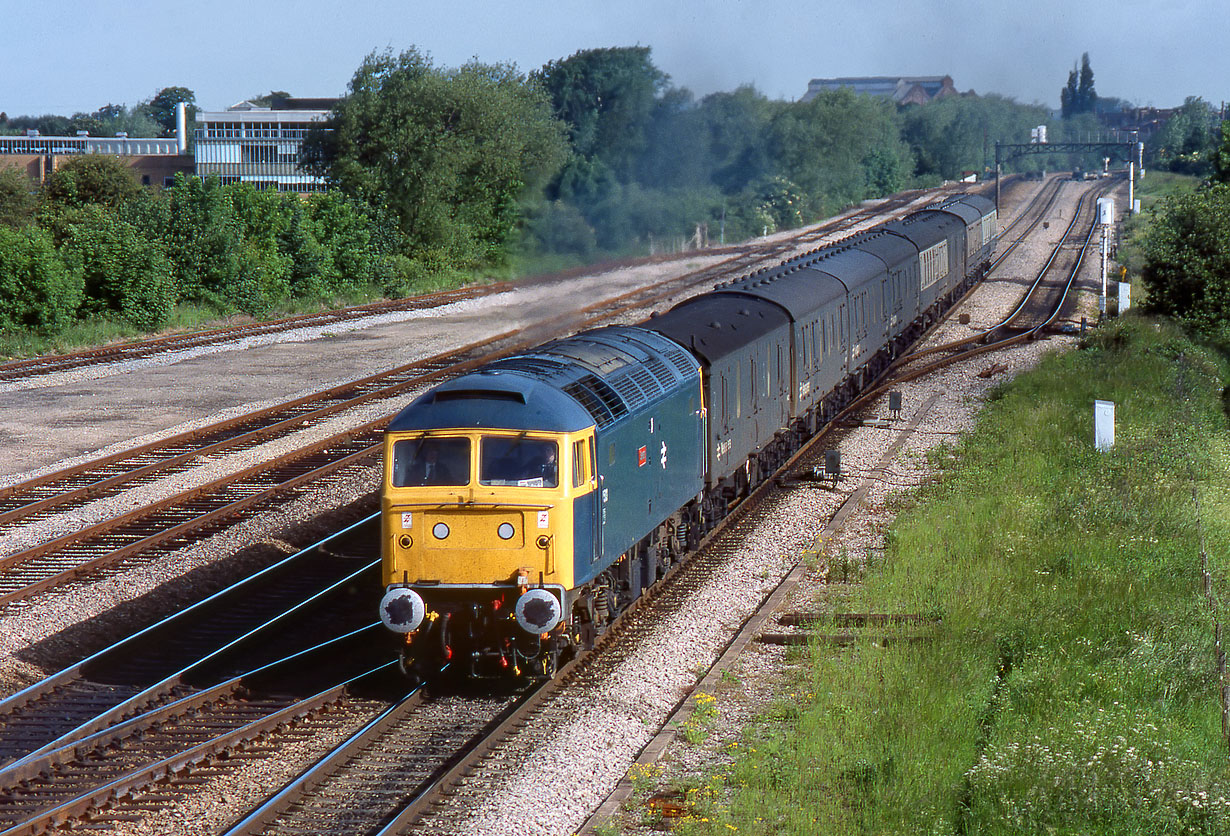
(477, 544)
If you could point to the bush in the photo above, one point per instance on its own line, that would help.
(1187, 260)
(123, 270)
(559, 227)
(17, 200)
(38, 290)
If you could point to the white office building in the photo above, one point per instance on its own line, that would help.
(248, 143)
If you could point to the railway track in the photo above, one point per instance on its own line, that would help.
(193, 514)
(48, 364)
(396, 810)
(477, 771)
(1036, 311)
(304, 599)
(282, 645)
(67, 782)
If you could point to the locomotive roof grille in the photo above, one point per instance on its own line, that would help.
(659, 370)
(648, 383)
(599, 399)
(682, 361)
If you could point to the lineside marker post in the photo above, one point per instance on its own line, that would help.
(1103, 425)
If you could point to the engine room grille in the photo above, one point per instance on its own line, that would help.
(598, 398)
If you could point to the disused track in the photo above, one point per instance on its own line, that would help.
(120, 352)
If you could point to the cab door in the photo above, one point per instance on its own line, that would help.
(586, 503)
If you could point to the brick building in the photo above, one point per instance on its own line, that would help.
(902, 90)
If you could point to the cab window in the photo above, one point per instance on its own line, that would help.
(579, 463)
(519, 462)
(431, 461)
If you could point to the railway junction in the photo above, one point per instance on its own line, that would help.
(611, 709)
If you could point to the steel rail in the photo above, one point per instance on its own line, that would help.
(142, 776)
(152, 694)
(246, 604)
(986, 340)
(988, 332)
(119, 724)
(46, 364)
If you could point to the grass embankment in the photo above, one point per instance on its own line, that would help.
(1070, 683)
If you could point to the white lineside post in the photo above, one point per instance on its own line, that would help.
(1132, 187)
(1102, 298)
(1103, 425)
(1106, 218)
(1125, 297)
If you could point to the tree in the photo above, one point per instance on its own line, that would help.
(161, 108)
(1187, 142)
(266, 99)
(91, 178)
(1085, 94)
(123, 270)
(1221, 156)
(448, 152)
(606, 98)
(829, 148)
(1079, 95)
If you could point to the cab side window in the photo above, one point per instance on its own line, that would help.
(580, 463)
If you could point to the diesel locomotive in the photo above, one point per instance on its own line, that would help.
(526, 503)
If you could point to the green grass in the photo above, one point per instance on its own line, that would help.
(1070, 686)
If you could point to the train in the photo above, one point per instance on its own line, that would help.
(527, 503)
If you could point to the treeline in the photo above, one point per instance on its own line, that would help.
(152, 117)
(437, 171)
(598, 153)
(1189, 141)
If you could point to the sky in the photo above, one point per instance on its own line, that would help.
(88, 53)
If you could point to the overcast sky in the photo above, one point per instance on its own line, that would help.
(77, 55)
